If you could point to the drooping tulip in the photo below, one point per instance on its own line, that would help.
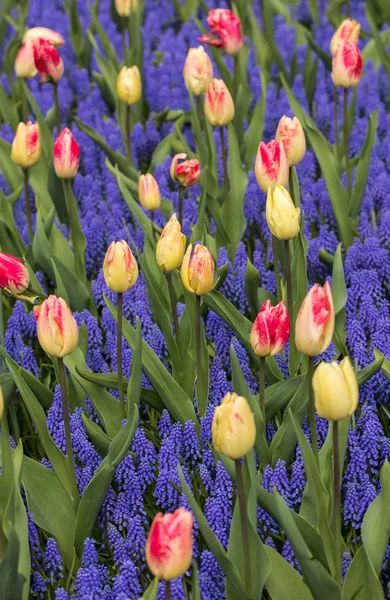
(47, 61)
(56, 327)
(271, 329)
(225, 31)
(187, 172)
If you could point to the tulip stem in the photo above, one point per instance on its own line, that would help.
(128, 133)
(68, 198)
(262, 387)
(199, 109)
(168, 594)
(346, 148)
(276, 267)
(244, 524)
(119, 352)
(312, 410)
(181, 195)
(287, 255)
(225, 174)
(65, 411)
(197, 337)
(336, 118)
(337, 500)
(173, 306)
(57, 107)
(123, 34)
(24, 100)
(28, 207)
(348, 8)
(153, 229)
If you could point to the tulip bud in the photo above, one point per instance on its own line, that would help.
(24, 61)
(120, 267)
(347, 31)
(129, 85)
(44, 33)
(66, 155)
(226, 27)
(149, 192)
(281, 214)
(347, 65)
(47, 61)
(197, 270)
(169, 545)
(290, 133)
(271, 166)
(233, 428)
(125, 7)
(315, 322)
(26, 147)
(14, 277)
(1, 404)
(186, 173)
(336, 390)
(198, 71)
(56, 327)
(271, 329)
(219, 105)
(171, 246)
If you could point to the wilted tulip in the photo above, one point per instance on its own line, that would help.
(219, 105)
(197, 270)
(271, 166)
(281, 214)
(47, 61)
(129, 85)
(271, 329)
(347, 65)
(347, 31)
(149, 192)
(233, 428)
(186, 173)
(336, 390)
(171, 246)
(290, 133)
(198, 71)
(225, 31)
(120, 267)
(26, 146)
(66, 155)
(14, 277)
(315, 322)
(56, 327)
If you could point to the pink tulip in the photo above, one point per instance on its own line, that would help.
(271, 329)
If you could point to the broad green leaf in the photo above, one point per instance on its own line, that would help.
(233, 205)
(379, 43)
(279, 394)
(363, 166)
(12, 583)
(151, 592)
(78, 239)
(100, 440)
(361, 581)
(284, 577)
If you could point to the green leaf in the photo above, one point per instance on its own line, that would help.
(100, 440)
(202, 382)
(233, 208)
(151, 592)
(195, 582)
(279, 394)
(361, 582)
(363, 166)
(284, 577)
(134, 388)
(11, 581)
(10, 171)
(78, 239)
(379, 43)
(370, 51)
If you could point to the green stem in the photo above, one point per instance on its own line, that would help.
(225, 175)
(276, 267)
(312, 410)
(336, 118)
(244, 525)
(168, 594)
(287, 255)
(181, 195)
(123, 34)
(337, 500)
(65, 410)
(28, 207)
(119, 353)
(68, 198)
(3, 365)
(153, 229)
(346, 149)
(24, 100)
(199, 109)
(348, 3)
(36, 293)
(57, 107)
(128, 134)
(236, 76)
(173, 306)
(262, 387)
(197, 338)
(291, 185)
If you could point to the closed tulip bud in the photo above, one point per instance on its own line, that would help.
(56, 327)
(44, 33)
(186, 173)
(171, 246)
(347, 31)
(233, 428)
(120, 267)
(225, 31)
(290, 133)
(169, 545)
(271, 166)
(129, 85)
(347, 65)
(315, 322)
(66, 155)
(198, 71)
(125, 7)
(271, 329)
(336, 390)
(219, 105)
(26, 147)
(281, 214)
(24, 61)
(149, 192)
(47, 61)
(197, 270)
(14, 277)
(1, 404)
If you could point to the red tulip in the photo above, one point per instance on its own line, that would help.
(347, 65)
(271, 329)
(14, 277)
(271, 167)
(225, 31)
(66, 155)
(186, 173)
(47, 61)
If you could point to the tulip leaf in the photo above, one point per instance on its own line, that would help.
(254, 133)
(78, 238)
(195, 582)
(379, 43)
(151, 592)
(339, 294)
(361, 581)
(12, 583)
(284, 577)
(100, 440)
(363, 166)
(233, 205)
(134, 388)
(278, 394)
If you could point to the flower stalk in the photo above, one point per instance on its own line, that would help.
(57, 107)
(68, 439)
(312, 410)
(336, 500)
(28, 207)
(119, 353)
(173, 306)
(244, 524)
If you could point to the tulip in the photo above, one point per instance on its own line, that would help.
(56, 326)
(171, 246)
(120, 267)
(315, 322)
(129, 85)
(197, 270)
(47, 61)
(14, 277)
(347, 65)
(24, 62)
(186, 173)
(233, 428)
(336, 390)
(26, 146)
(66, 155)
(149, 192)
(198, 71)
(347, 31)
(271, 166)
(290, 133)
(44, 33)
(225, 31)
(125, 7)
(270, 330)
(1, 404)
(281, 214)
(219, 105)
(169, 545)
